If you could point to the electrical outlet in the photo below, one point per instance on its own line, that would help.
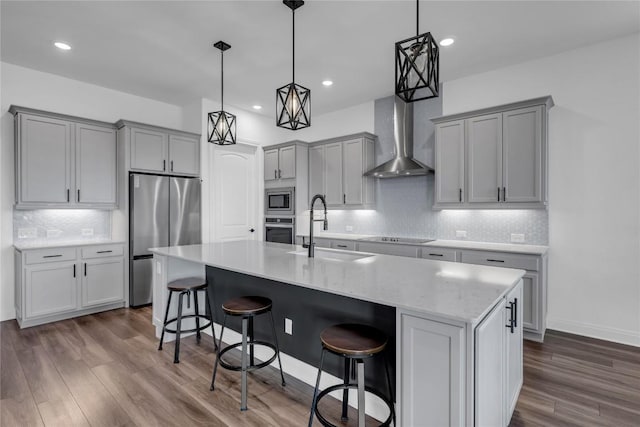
(87, 231)
(288, 326)
(517, 238)
(461, 234)
(348, 227)
(53, 233)
(27, 233)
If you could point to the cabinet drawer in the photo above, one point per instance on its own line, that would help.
(102, 251)
(341, 244)
(439, 254)
(499, 259)
(50, 255)
(389, 249)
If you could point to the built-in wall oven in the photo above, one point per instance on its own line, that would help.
(279, 229)
(280, 201)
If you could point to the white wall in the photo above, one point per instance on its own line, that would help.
(359, 118)
(29, 88)
(594, 180)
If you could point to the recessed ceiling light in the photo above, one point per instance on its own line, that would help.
(447, 42)
(327, 82)
(62, 46)
(257, 107)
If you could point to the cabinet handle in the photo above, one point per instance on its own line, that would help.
(164, 165)
(67, 195)
(171, 165)
(78, 194)
(495, 260)
(103, 252)
(275, 174)
(279, 173)
(51, 256)
(504, 194)
(74, 270)
(498, 193)
(511, 324)
(460, 196)
(341, 246)
(515, 312)
(344, 199)
(436, 255)
(85, 268)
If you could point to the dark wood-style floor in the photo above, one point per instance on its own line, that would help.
(104, 370)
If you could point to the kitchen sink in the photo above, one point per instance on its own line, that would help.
(333, 255)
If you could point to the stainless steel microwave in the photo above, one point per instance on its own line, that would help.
(280, 201)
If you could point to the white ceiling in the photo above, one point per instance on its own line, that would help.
(162, 50)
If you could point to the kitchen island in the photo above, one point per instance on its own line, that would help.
(456, 363)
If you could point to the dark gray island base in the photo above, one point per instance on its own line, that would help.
(311, 312)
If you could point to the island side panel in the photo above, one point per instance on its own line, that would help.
(311, 312)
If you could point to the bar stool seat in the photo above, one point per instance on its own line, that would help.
(185, 287)
(353, 342)
(247, 307)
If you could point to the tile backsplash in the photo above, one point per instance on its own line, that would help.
(59, 225)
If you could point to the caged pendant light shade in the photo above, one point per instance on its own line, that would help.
(293, 102)
(221, 125)
(417, 65)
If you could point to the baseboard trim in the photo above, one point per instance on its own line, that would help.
(621, 336)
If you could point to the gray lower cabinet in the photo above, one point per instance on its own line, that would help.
(58, 283)
(63, 161)
(389, 249)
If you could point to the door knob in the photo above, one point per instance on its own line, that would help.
(252, 230)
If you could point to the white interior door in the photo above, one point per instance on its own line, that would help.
(234, 201)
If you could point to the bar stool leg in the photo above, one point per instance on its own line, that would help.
(212, 318)
(218, 348)
(390, 385)
(243, 397)
(345, 392)
(275, 338)
(252, 360)
(178, 326)
(195, 301)
(315, 390)
(166, 316)
(361, 413)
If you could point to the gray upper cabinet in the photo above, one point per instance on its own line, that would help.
(95, 165)
(450, 185)
(505, 157)
(271, 165)
(484, 158)
(337, 167)
(280, 163)
(159, 150)
(149, 150)
(63, 161)
(184, 155)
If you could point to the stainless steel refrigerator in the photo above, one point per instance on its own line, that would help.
(163, 211)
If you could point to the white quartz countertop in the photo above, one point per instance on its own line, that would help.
(450, 290)
(515, 248)
(65, 244)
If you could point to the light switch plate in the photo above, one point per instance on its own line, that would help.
(461, 234)
(348, 227)
(517, 238)
(288, 326)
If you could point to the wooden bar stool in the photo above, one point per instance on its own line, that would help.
(185, 287)
(354, 343)
(247, 307)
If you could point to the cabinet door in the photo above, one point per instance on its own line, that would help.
(50, 289)
(95, 165)
(531, 301)
(484, 158)
(184, 155)
(316, 170)
(450, 162)
(149, 150)
(490, 375)
(522, 155)
(353, 168)
(287, 162)
(389, 249)
(333, 174)
(102, 281)
(432, 373)
(514, 349)
(271, 165)
(45, 160)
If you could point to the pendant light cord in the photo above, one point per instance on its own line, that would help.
(417, 17)
(293, 48)
(222, 80)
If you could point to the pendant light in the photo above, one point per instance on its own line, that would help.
(221, 124)
(293, 102)
(417, 65)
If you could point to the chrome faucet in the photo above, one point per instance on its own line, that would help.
(325, 224)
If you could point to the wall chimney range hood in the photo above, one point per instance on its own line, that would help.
(403, 163)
